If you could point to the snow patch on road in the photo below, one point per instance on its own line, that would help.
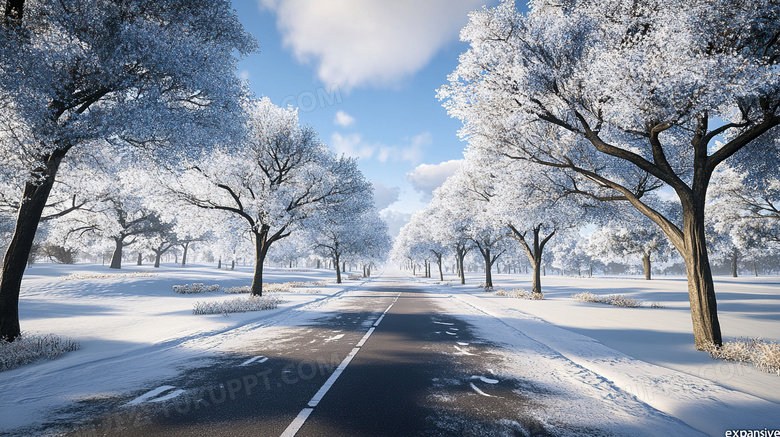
(485, 379)
(334, 338)
(476, 389)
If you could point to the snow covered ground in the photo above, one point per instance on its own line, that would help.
(648, 352)
(121, 323)
(134, 330)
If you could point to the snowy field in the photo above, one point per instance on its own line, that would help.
(134, 329)
(122, 320)
(648, 352)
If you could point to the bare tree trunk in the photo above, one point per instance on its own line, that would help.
(755, 268)
(140, 260)
(17, 254)
(116, 258)
(337, 264)
(185, 247)
(701, 287)
(734, 258)
(488, 267)
(261, 250)
(646, 265)
(157, 256)
(534, 254)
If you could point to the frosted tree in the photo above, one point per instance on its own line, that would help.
(625, 97)
(450, 224)
(523, 197)
(351, 230)
(420, 241)
(468, 195)
(279, 176)
(628, 235)
(427, 234)
(744, 213)
(157, 75)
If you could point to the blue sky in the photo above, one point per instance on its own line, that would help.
(364, 74)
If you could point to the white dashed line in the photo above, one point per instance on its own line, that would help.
(259, 359)
(300, 419)
(149, 395)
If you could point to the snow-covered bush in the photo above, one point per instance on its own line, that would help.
(617, 300)
(518, 293)
(196, 287)
(107, 276)
(238, 290)
(486, 287)
(238, 305)
(29, 347)
(764, 356)
(283, 286)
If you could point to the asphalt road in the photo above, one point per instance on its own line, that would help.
(386, 359)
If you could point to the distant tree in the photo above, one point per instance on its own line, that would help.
(626, 236)
(278, 176)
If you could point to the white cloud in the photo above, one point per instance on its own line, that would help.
(395, 221)
(343, 119)
(427, 177)
(385, 196)
(368, 42)
(351, 145)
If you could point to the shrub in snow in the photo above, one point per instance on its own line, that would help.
(285, 286)
(353, 277)
(238, 290)
(196, 287)
(764, 356)
(238, 305)
(107, 276)
(617, 300)
(28, 348)
(518, 293)
(487, 288)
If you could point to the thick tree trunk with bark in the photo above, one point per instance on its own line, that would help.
(460, 256)
(185, 248)
(338, 267)
(116, 258)
(438, 262)
(158, 256)
(534, 254)
(488, 267)
(647, 266)
(261, 250)
(140, 260)
(734, 259)
(701, 287)
(31, 207)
